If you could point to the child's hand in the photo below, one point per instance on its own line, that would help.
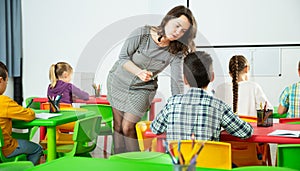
(145, 75)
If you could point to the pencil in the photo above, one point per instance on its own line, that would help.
(180, 157)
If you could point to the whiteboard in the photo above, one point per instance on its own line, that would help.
(264, 61)
(247, 22)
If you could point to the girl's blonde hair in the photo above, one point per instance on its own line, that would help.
(236, 64)
(57, 70)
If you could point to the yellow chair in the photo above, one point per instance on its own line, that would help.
(213, 155)
(145, 144)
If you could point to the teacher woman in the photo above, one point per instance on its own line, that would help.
(132, 81)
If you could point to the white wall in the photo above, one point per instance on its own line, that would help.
(235, 22)
(76, 31)
(55, 30)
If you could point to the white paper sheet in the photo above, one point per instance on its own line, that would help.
(46, 115)
(285, 133)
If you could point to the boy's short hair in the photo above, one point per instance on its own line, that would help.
(197, 69)
(3, 70)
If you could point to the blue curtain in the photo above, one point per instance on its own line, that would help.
(10, 36)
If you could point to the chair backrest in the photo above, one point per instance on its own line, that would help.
(46, 106)
(2, 156)
(145, 143)
(213, 155)
(248, 118)
(145, 157)
(288, 156)
(104, 110)
(288, 120)
(31, 104)
(85, 135)
(244, 154)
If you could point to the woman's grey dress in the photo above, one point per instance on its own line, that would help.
(125, 91)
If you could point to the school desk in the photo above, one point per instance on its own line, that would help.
(50, 124)
(95, 164)
(103, 100)
(260, 134)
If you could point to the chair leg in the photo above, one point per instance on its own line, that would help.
(105, 147)
(266, 154)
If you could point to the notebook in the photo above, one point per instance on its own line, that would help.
(285, 133)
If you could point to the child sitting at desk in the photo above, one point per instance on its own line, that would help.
(11, 110)
(60, 75)
(290, 99)
(197, 112)
(242, 95)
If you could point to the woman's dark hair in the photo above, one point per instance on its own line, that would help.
(197, 69)
(186, 42)
(3, 70)
(236, 64)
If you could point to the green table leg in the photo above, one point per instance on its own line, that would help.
(51, 143)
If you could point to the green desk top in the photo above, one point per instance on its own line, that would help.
(90, 164)
(66, 117)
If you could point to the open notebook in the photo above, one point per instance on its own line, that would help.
(285, 133)
(46, 115)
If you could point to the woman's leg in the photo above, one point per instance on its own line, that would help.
(119, 144)
(128, 126)
(34, 151)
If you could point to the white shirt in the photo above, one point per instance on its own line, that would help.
(250, 97)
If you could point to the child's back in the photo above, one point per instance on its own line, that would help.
(244, 96)
(60, 75)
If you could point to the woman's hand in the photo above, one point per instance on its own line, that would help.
(145, 75)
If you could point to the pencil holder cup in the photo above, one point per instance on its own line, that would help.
(265, 118)
(179, 167)
(54, 107)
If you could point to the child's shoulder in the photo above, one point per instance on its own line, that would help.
(4, 98)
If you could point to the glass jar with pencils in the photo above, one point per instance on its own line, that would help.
(265, 117)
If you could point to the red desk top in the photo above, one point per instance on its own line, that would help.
(260, 134)
(92, 100)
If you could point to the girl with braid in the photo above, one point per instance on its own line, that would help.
(244, 96)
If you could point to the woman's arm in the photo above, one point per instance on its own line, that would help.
(130, 46)
(177, 84)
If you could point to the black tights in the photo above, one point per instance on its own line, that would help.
(125, 138)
